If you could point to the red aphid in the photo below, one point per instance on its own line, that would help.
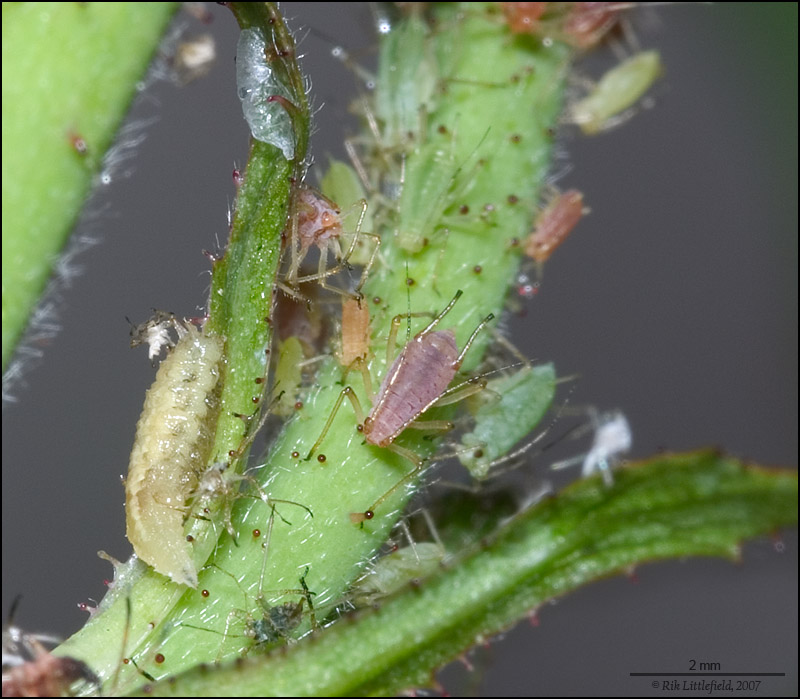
(588, 22)
(554, 224)
(418, 378)
(523, 17)
(580, 24)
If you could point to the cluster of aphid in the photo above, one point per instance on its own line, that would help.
(169, 478)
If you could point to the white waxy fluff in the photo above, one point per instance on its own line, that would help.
(173, 439)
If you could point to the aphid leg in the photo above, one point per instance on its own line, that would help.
(348, 392)
(431, 425)
(342, 260)
(323, 271)
(358, 164)
(370, 261)
(252, 432)
(439, 257)
(463, 390)
(511, 347)
(472, 337)
(317, 221)
(414, 458)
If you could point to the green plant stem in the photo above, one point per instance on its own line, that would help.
(478, 151)
(454, 185)
(69, 71)
(699, 504)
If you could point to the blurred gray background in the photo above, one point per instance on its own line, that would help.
(675, 300)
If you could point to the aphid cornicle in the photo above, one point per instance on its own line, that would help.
(173, 440)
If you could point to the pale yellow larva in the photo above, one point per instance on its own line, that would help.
(173, 438)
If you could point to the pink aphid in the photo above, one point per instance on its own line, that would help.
(580, 24)
(317, 222)
(588, 22)
(418, 378)
(554, 224)
(523, 17)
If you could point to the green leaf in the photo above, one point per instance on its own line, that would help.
(69, 71)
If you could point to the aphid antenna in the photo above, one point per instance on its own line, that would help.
(513, 457)
(430, 525)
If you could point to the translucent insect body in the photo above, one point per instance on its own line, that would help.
(257, 83)
(609, 103)
(172, 445)
(395, 571)
(316, 222)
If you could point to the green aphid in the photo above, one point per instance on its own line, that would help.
(618, 90)
(509, 409)
(407, 82)
(395, 571)
(427, 192)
